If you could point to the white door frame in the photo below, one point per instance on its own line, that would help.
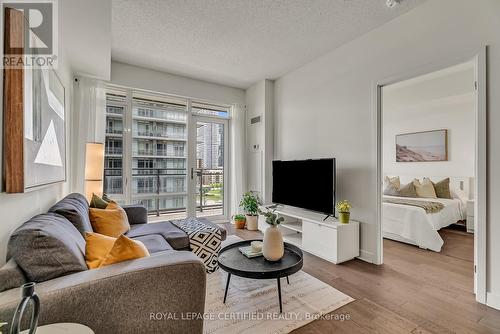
(480, 184)
(193, 119)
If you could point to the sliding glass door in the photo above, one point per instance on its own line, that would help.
(147, 156)
(210, 167)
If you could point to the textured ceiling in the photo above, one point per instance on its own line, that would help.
(239, 42)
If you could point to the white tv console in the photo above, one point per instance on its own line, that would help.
(328, 239)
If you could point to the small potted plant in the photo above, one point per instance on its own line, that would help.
(344, 209)
(250, 203)
(273, 247)
(239, 221)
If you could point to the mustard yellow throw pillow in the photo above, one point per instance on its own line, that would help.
(111, 221)
(124, 249)
(97, 246)
(101, 250)
(424, 189)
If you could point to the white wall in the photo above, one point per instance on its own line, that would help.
(138, 77)
(260, 138)
(17, 208)
(86, 36)
(444, 101)
(325, 107)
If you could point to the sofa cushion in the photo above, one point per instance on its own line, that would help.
(154, 243)
(11, 276)
(177, 238)
(136, 213)
(74, 208)
(47, 246)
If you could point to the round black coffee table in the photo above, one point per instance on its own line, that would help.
(232, 261)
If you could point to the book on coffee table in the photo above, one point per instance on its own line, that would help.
(248, 252)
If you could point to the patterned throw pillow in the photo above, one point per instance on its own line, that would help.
(442, 188)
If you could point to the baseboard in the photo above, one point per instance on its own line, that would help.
(493, 300)
(366, 256)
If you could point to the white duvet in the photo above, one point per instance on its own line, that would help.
(402, 222)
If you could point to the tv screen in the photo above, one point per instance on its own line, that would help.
(307, 184)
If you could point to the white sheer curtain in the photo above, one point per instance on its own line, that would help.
(238, 155)
(89, 123)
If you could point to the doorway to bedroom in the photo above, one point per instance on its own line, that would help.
(428, 159)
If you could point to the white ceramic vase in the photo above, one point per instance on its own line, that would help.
(252, 223)
(273, 248)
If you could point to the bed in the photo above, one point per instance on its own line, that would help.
(411, 224)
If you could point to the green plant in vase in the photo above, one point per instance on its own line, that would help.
(344, 210)
(273, 247)
(239, 221)
(271, 217)
(250, 204)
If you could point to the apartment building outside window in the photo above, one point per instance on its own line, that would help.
(153, 154)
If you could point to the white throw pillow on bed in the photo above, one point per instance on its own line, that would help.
(424, 189)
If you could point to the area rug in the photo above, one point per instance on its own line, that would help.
(252, 305)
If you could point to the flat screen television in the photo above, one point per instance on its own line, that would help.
(306, 184)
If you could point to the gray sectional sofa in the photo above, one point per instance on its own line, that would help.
(128, 297)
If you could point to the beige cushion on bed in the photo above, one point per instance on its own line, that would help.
(424, 189)
(408, 190)
(442, 188)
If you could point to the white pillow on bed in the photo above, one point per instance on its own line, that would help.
(459, 194)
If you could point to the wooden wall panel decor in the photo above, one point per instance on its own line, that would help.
(34, 115)
(13, 105)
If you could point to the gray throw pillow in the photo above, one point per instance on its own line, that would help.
(11, 276)
(47, 246)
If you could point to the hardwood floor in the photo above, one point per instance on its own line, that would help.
(414, 291)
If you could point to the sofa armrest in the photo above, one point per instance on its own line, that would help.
(128, 297)
(136, 214)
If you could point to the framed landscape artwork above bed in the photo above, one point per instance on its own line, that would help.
(422, 146)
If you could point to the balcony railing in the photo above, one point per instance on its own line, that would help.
(209, 194)
(160, 114)
(113, 181)
(209, 189)
(114, 150)
(114, 131)
(140, 151)
(160, 134)
(114, 110)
